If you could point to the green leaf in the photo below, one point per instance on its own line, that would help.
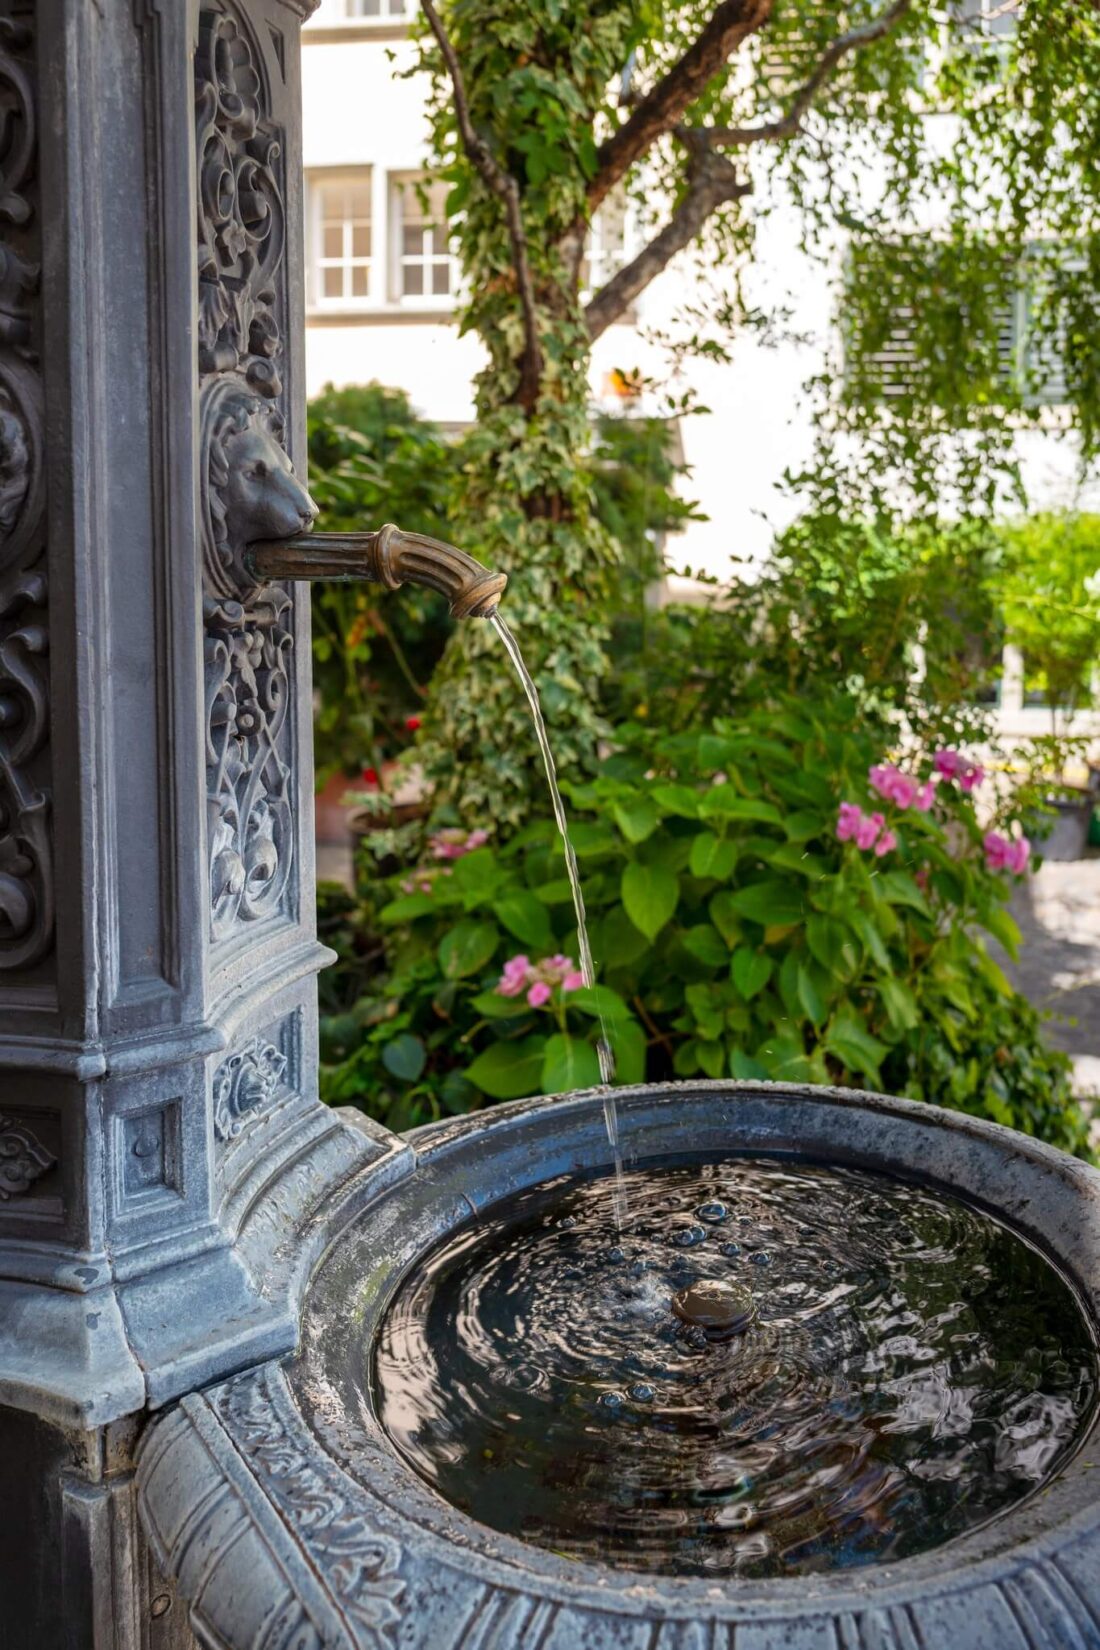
(477, 875)
(900, 1004)
(725, 802)
(406, 909)
(597, 1000)
(509, 1071)
(785, 1058)
(590, 837)
(711, 1057)
(802, 826)
(724, 917)
(527, 919)
(811, 997)
(867, 929)
(405, 1057)
(898, 888)
(706, 943)
(677, 799)
(467, 948)
(750, 972)
(617, 942)
(770, 903)
(558, 892)
(492, 1006)
(1004, 928)
(746, 1069)
(834, 947)
(650, 894)
(637, 818)
(854, 1046)
(628, 1045)
(712, 856)
(568, 1063)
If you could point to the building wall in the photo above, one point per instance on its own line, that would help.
(361, 112)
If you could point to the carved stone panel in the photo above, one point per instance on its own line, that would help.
(248, 489)
(23, 1158)
(26, 859)
(246, 1084)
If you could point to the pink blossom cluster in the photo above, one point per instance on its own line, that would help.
(953, 766)
(900, 788)
(453, 844)
(537, 980)
(865, 830)
(1003, 853)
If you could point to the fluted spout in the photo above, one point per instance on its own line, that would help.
(388, 557)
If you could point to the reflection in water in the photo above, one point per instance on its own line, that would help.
(912, 1369)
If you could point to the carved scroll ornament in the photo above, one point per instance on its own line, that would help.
(23, 1159)
(246, 1084)
(248, 488)
(26, 858)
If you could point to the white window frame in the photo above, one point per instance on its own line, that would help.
(316, 184)
(600, 259)
(337, 15)
(401, 184)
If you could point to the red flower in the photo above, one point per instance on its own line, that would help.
(370, 776)
(412, 723)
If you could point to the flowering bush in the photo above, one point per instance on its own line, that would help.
(770, 898)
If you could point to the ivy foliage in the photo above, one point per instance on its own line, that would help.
(955, 166)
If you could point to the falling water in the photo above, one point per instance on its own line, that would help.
(603, 1047)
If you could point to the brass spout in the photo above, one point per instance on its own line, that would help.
(388, 557)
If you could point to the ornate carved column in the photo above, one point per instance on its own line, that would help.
(160, 1132)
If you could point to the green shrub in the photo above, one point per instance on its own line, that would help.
(736, 935)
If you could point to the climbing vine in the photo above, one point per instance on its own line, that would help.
(712, 116)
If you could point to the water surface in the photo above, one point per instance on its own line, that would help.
(913, 1369)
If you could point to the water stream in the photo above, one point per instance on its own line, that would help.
(603, 1047)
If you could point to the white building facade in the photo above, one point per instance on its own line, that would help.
(381, 291)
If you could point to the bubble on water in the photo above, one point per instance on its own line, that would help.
(567, 1222)
(761, 1258)
(616, 1254)
(643, 1393)
(712, 1213)
(612, 1400)
(686, 1236)
(731, 1249)
(715, 1306)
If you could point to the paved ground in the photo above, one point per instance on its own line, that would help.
(1058, 910)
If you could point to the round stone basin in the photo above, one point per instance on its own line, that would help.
(412, 1537)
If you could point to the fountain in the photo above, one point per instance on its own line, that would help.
(832, 1384)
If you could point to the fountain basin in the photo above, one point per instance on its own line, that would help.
(287, 1517)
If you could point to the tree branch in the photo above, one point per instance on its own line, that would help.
(662, 107)
(790, 124)
(505, 187)
(713, 181)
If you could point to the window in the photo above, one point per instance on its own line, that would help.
(988, 19)
(364, 11)
(1010, 324)
(341, 240)
(423, 263)
(610, 241)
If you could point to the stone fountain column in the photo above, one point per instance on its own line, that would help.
(160, 1133)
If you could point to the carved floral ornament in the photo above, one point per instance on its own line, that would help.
(245, 1084)
(248, 489)
(26, 869)
(23, 1159)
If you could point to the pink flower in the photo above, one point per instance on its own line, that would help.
(893, 785)
(868, 829)
(885, 843)
(952, 764)
(514, 978)
(925, 797)
(573, 981)
(848, 823)
(1004, 853)
(476, 839)
(1018, 855)
(539, 993)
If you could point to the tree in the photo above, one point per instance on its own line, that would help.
(709, 113)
